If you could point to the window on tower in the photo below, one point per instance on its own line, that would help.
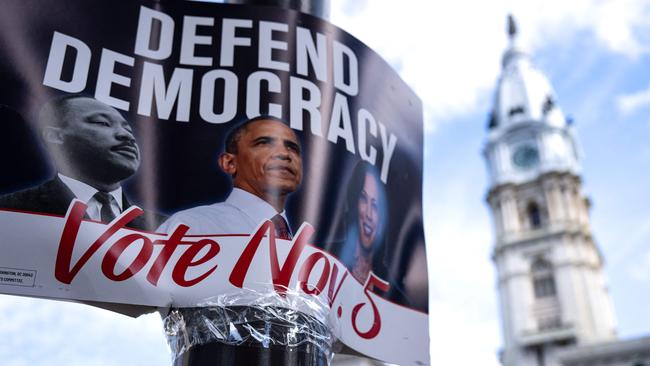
(544, 287)
(516, 110)
(543, 279)
(534, 215)
(492, 120)
(548, 105)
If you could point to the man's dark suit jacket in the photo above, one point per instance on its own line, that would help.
(54, 197)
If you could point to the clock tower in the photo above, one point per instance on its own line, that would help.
(552, 290)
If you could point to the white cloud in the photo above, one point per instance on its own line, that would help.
(620, 24)
(458, 338)
(463, 311)
(635, 239)
(463, 314)
(43, 332)
(449, 52)
(641, 271)
(630, 103)
(435, 46)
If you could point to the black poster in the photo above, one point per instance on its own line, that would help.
(147, 122)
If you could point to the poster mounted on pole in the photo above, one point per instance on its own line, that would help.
(184, 154)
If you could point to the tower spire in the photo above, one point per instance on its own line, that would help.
(540, 215)
(513, 51)
(524, 94)
(512, 27)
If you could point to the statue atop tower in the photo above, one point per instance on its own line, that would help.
(512, 27)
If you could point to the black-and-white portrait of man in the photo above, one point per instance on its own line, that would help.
(94, 150)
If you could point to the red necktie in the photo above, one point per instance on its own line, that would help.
(281, 227)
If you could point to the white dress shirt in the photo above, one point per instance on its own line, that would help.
(240, 213)
(86, 193)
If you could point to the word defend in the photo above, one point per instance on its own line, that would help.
(322, 66)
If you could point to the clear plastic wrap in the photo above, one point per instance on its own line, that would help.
(266, 321)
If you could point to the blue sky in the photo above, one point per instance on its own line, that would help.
(596, 55)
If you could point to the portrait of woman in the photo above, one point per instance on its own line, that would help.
(365, 220)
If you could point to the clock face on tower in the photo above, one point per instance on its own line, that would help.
(525, 157)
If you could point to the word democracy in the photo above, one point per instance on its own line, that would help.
(306, 66)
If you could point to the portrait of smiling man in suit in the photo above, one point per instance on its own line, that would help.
(263, 157)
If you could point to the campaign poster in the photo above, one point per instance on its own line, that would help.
(182, 154)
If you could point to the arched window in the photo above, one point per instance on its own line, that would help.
(543, 279)
(519, 109)
(548, 105)
(534, 215)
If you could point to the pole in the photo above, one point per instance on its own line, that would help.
(319, 8)
(251, 335)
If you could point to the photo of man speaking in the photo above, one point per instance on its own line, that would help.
(94, 150)
(263, 157)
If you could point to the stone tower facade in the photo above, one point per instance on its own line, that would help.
(552, 290)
